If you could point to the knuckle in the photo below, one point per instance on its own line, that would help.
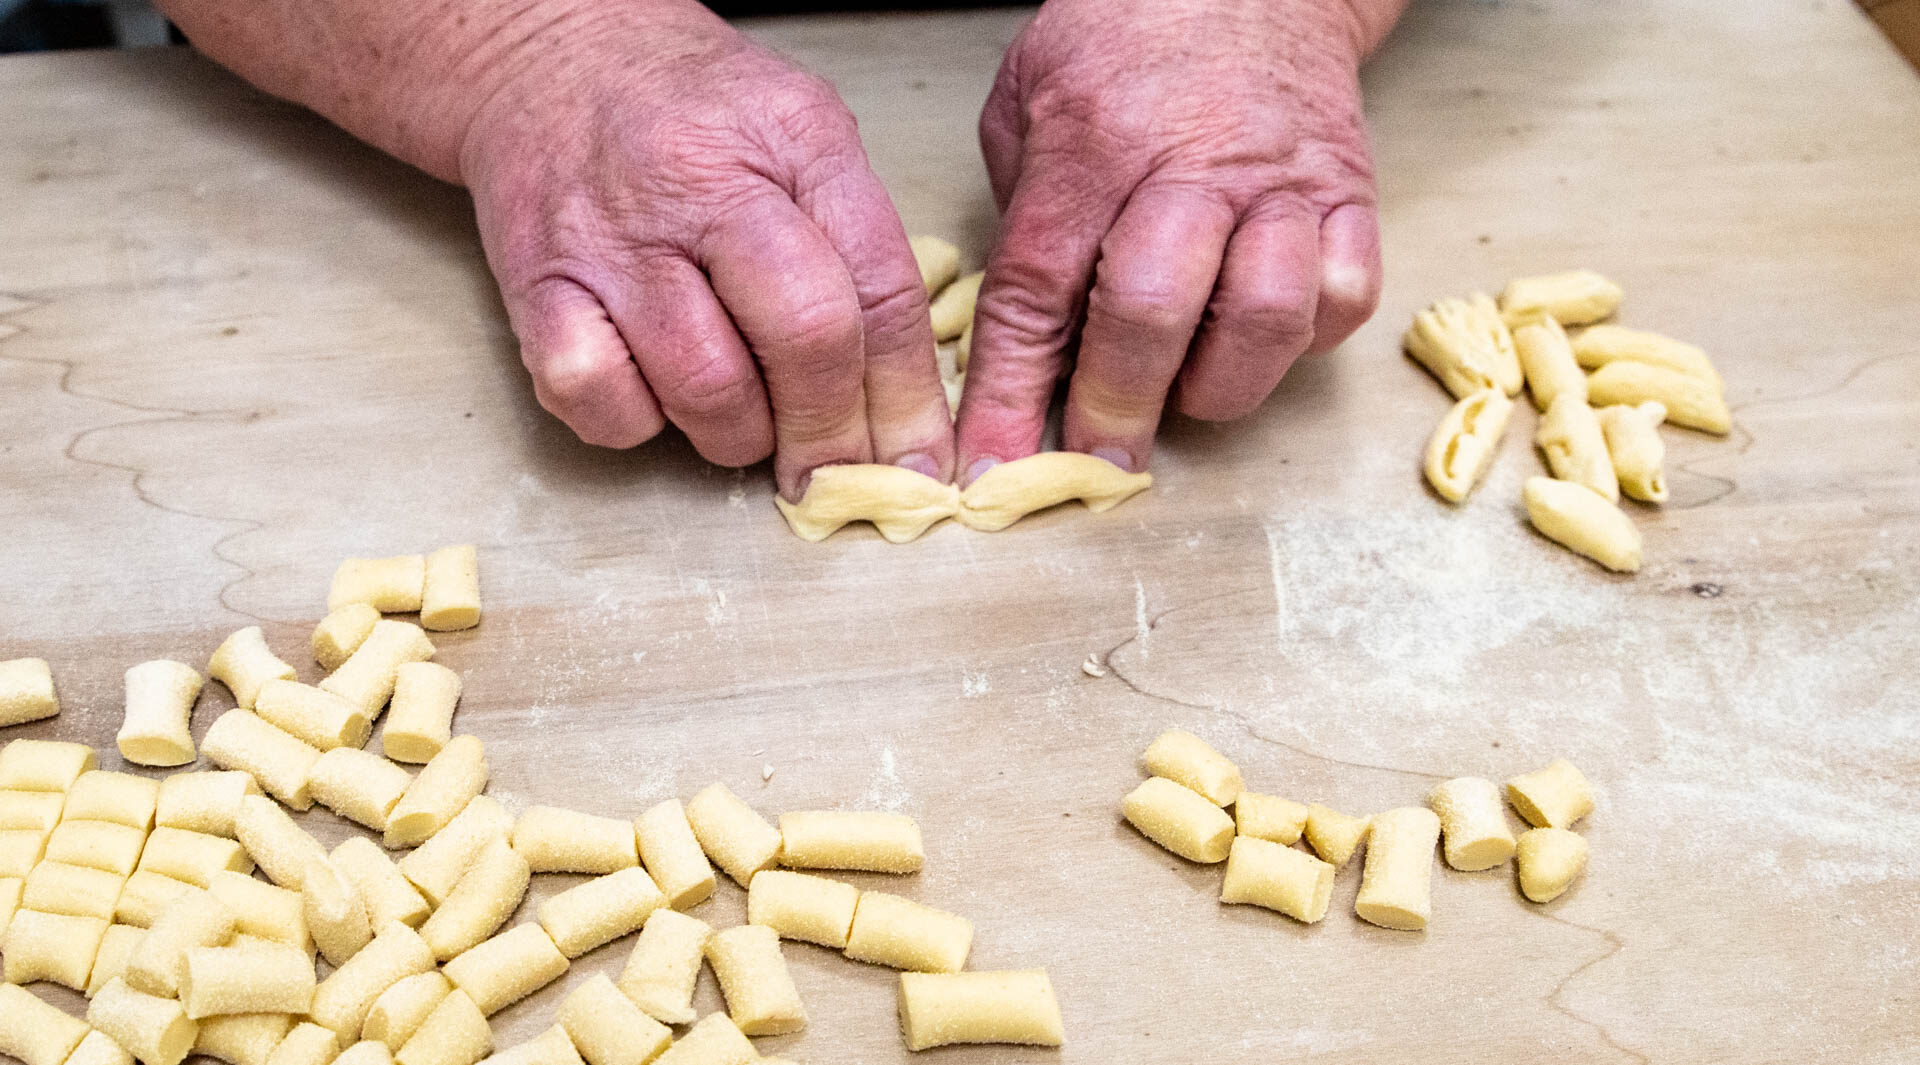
(1159, 313)
(571, 381)
(1269, 320)
(820, 338)
(714, 386)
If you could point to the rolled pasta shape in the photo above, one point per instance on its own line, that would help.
(450, 598)
(507, 968)
(343, 999)
(320, 719)
(939, 1009)
(1269, 817)
(903, 934)
(1012, 490)
(1397, 882)
(1186, 759)
(1583, 521)
(846, 839)
(420, 721)
(365, 1052)
(754, 979)
(160, 697)
(1546, 358)
(159, 963)
(1465, 345)
(44, 765)
(553, 840)
(277, 761)
(737, 838)
(153, 1028)
(390, 585)
(401, 1009)
(98, 1049)
(11, 888)
(26, 692)
(1334, 836)
(665, 965)
(283, 850)
(1179, 819)
(336, 918)
(600, 911)
(242, 1038)
(388, 895)
(952, 309)
(1557, 795)
(455, 1033)
(34, 1031)
(1690, 401)
(1549, 860)
(56, 947)
(96, 845)
(714, 1040)
(305, 1044)
(366, 678)
(1572, 297)
(443, 787)
(263, 910)
(243, 662)
(1603, 345)
(21, 849)
(672, 855)
(608, 1029)
(146, 895)
(341, 633)
(480, 903)
(1473, 823)
(437, 865)
(122, 798)
(252, 979)
(193, 857)
(901, 503)
(1464, 442)
(357, 785)
(1633, 443)
(203, 802)
(38, 811)
(71, 890)
(803, 906)
(938, 260)
(1569, 434)
(115, 954)
(551, 1047)
(1263, 873)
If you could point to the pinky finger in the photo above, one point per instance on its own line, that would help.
(583, 373)
(1349, 274)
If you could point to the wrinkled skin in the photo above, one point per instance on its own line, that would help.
(1186, 191)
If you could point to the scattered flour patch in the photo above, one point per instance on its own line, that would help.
(887, 791)
(974, 685)
(1142, 628)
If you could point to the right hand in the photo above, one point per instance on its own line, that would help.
(684, 228)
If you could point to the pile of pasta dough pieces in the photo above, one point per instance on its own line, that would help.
(1599, 431)
(1181, 806)
(139, 892)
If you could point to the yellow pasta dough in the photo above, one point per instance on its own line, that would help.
(1186, 759)
(153, 1028)
(1569, 434)
(1546, 358)
(35, 810)
(145, 895)
(22, 848)
(1012, 490)
(192, 857)
(251, 979)
(203, 802)
(115, 954)
(1465, 344)
(952, 309)
(607, 1028)
(357, 785)
(336, 918)
(1396, 884)
(455, 1033)
(1554, 796)
(437, 864)
(11, 888)
(1549, 861)
(551, 1047)
(305, 1044)
(566, 841)
(1334, 836)
(72, 890)
(1179, 819)
(35, 1032)
(320, 719)
(450, 597)
(1269, 817)
(44, 765)
(420, 721)
(901, 503)
(1690, 401)
(1464, 442)
(403, 1008)
(366, 678)
(939, 1009)
(1582, 520)
(1277, 877)
(388, 895)
(802, 906)
(55, 947)
(1472, 822)
(672, 855)
(277, 761)
(1573, 297)
(26, 692)
(480, 903)
(263, 910)
(600, 911)
(160, 697)
(96, 845)
(365, 1052)
(122, 798)
(843, 839)
(738, 839)
(1606, 344)
(244, 662)
(283, 850)
(715, 1040)
(753, 977)
(507, 968)
(903, 934)
(342, 1000)
(389, 585)
(1634, 445)
(443, 787)
(159, 963)
(665, 964)
(938, 260)
(341, 633)
(98, 1049)
(242, 1038)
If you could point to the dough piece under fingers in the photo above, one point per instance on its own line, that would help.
(1179, 819)
(55, 947)
(1334, 836)
(844, 839)
(44, 765)
(753, 977)
(1280, 878)
(390, 585)
(1690, 401)
(903, 934)
(1572, 297)
(341, 633)
(715, 1040)
(122, 798)
(1633, 443)
(600, 911)
(26, 692)
(203, 802)
(1012, 490)
(1464, 441)
(342, 1000)
(277, 761)
(551, 1047)
(901, 503)
(1396, 884)
(1557, 795)
(507, 968)
(1269, 817)
(1549, 861)
(672, 854)
(938, 1009)
(403, 1008)
(733, 834)
(160, 697)
(1186, 759)
(1546, 357)
(803, 906)
(1473, 822)
(938, 260)
(443, 788)
(1582, 520)
(952, 309)
(244, 662)
(450, 599)
(665, 965)
(1569, 434)
(1604, 344)
(152, 1028)
(1464, 344)
(320, 719)
(607, 1028)
(420, 721)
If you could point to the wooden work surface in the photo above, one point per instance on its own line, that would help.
(243, 347)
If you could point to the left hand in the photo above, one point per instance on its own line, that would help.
(1191, 179)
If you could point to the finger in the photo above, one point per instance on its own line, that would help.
(906, 404)
(1001, 128)
(1349, 274)
(582, 371)
(1156, 271)
(694, 360)
(1262, 313)
(1029, 305)
(795, 304)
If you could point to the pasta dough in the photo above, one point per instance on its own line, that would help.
(903, 934)
(35, 810)
(1634, 445)
(357, 785)
(952, 309)
(159, 963)
(336, 917)
(263, 910)
(55, 947)
(1012, 490)
(551, 1047)
(342, 1000)
(121, 798)
(365, 1052)
(1334, 836)
(96, 845)
(253, 979)
(1583, 521)
(390, 585)
(608, 1029)
(388, 895)
(1546, 358)
(672, 855)
(192, 857)
(1179, 819)
(1576, 450)
(802, 906)
(437, 865)
(320, 719)
(242, 1038)
(1269, 817)
(1473, 822)
(1396, 884)
(1574, 297)
(277, 761)
(146, 895)
(507, 968)
(11, 888)
(753, 977)
(600, 911)
(244, 662)
(71, 890)
(282, 849)
(444, 787)
(738, 839)
(715, 1040)
(450, 599)
(480, 903)
(1604, 344)
(98, 1049)
(152, 1028)
(401, 1009)
(938, 260)
(26, 693)
(1690, 401)
(341, 633)
(836, 839)
(1549, 861)
(1185, 759)
(44, 765)
(901, 503)
(938, 1009)
(20, 850)
(1277, 877)
(420, 721)
(566, 841)
(455, 1033)
(665, 965)
(1464, 344)
(115, 954)
(366, 678)
(160, 697)
(35, 1032)
(1556, 795)
(306, 1044)
(1464, 442)
(203, 802)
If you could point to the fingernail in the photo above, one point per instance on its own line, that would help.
(1116, 456)
(919, 462)
(979, 467)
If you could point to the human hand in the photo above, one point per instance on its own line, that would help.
(1191, 179)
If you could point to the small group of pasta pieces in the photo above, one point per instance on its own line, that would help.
(952, 296)
(139, 892)
(1182, 807)
(1599, 430)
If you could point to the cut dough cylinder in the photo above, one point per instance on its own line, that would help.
(26, 692)
(1569, 434)
(242, 1038)
(903, 934)
(342, 1000)
(1464, 442)
(1012, 490)
(389, 585)
(553, 840)
(1473, 822)
(938, 260)
(1690, 401)
(1185, 759)
(55, 947)
(336, 918)
(358, 785)
(450, 598)
(672, 855)
(160, 697)
(1583, 521)
(159, 963)
(1546, 357)
(99, 1049)
(443, 787)
(1396, 883)
(22, 848)
(1603, 345)
(278, 762)
(420, 721)
(1334, 836)
(802, 906)
(1179, 819)
(317, 718)
(480, 903)
(715, 1040)
(145, 896)
(1465, 345)
(243, 662)
(455, 1033)
(203, 802)
(252, 979)
(1572, 297)
(665, 965)
(1277, 877)
(115, 954)
(11, 888)
(44, 765)
(193, 857)
(843, 839)
(507, 968)
(341, 633)
(1556, 795)
(387, 894)
(1633, 444)
(305, 1044)
(938, 1009)
(901, 503)
(35, 810)
(35, 1032)
(283, 850)
(263, 910)
(607, 1028)
(1269, 817)
(401, 1009)
(153, 1028)
(96, 845)
(437, 865)
(1549, 861)
(737, 838)
(71, 890)
(365, 1052)
(122, 798)
(551, 1047)
(600, 911)
(366, 678)
(753, 977)
(952, 309)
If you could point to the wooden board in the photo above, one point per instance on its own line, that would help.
(243, 347)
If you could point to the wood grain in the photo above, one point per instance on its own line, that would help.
(242, 347)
